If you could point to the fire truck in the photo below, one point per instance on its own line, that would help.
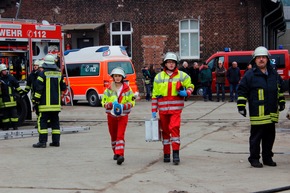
(22, 42)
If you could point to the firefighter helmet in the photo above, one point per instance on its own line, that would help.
(49, 62)
(2, 67)
(36, 62)
(119, 71)
(170, 56)
(261, 51)
(40, 64)
(49, 59)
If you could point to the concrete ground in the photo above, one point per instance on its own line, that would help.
(214, 152)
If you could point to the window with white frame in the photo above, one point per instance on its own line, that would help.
(189, 39)
(121, 34)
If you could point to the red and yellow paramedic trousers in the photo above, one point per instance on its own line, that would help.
(117, 128)
(170, 124)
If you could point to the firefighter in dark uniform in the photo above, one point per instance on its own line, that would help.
(262, 88)
(9, 87)
(31, 81)
(47, 94)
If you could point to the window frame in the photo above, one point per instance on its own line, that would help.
(121, 33)
(190, 32)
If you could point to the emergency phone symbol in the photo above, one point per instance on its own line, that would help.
(29, 33)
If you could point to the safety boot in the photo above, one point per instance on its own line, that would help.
(166, 158)
(54, 144)
(115, 157)
(120, 160)
(176, 159)
(39, 145)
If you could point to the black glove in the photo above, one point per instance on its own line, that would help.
(281, 106)
(242, 110)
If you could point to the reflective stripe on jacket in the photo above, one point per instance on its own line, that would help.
(165, 96)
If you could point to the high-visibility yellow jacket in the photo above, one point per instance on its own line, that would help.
(165, 96)
(126, 98)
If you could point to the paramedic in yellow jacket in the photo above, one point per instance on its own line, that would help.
(170, 87)
(118, 100)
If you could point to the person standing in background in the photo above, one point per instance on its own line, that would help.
(194, 73)
(234, 76)
(147, 82)
(185, 68)
(205, 77)
(220, 80)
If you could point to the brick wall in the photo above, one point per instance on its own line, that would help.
(155, 23)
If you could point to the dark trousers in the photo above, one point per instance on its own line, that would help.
(10, 117)
(206, 87)
(264, 134)
(42, 123)
(234, 92)
(220, 86)
(148, 92)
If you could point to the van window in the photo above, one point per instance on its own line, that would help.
(278, 60)
(87, 69)
(127, 66)
(214, 62)
(242, 61)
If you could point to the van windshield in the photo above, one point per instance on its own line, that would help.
(127, 66)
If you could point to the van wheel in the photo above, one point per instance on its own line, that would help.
(22, 111)
(199, 91)
(93, 98)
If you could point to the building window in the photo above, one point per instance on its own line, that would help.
(189, 39)
(121, 34)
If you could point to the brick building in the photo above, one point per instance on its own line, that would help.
(194, 29)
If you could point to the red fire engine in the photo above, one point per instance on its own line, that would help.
(21, 42)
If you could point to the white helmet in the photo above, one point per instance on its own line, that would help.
(49, 59)
(170, 56)
(261, 51)
(40, 63)
(36, 62)
(2, 67)
(119, 71)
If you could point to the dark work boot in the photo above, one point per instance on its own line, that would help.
(39, 145)
(269, 162)
(15, 128)
(256, 164)
(54, 144)
(120, 160)
(176, 159)
(55, 140)
(166, 158)
(115, 157)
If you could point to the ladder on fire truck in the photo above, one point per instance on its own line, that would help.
(13, 134)
(67, 96)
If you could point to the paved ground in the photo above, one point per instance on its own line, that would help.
(214, 151)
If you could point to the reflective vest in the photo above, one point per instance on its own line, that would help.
(165, 96)
(263, 94)
(126, 98)
(48, 89)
